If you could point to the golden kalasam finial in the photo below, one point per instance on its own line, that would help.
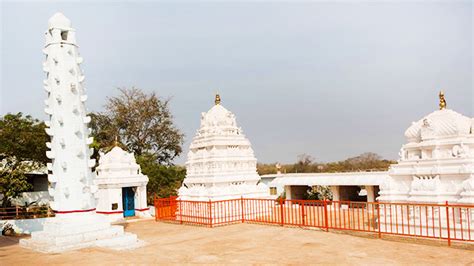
(218, 99)
(116, 142)
(442, 101)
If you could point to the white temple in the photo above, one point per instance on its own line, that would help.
(437, 163)
(221, 163)
(76, 224)
(122, 186)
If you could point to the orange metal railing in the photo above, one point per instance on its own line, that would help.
(451, 222)
(14, 213)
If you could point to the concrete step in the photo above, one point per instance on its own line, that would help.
(120, 241)
(50, 238)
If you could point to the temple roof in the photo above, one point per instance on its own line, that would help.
(60, 21)
(218, 115)
(439, 124)
(119, 162)
(219, 147)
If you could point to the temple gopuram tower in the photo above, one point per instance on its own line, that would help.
(221, 163)
(437, 162)
(76, 224)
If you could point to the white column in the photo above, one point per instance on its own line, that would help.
(335, 193)
(141, 204)
(288, 192)
(370, 193)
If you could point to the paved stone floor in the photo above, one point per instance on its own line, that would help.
(246, 244)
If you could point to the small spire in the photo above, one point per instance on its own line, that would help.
(58, 20)
(218, 99)
(442, 101)
(116, 142)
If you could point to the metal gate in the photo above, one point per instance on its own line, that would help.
(166, 208)
(128, 200)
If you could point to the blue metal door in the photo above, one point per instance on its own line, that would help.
(128, 200)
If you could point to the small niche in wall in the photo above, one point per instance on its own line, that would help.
(114, 206)
(64, 35)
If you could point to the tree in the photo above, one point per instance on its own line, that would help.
(163, 180)
(264, 169)
(142, 122)
(144, 125)
(319, 193)
(22, 150)
(304, 163)
(368, 161)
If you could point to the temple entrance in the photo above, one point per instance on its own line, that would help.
(128, 201)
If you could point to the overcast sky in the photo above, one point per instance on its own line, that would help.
(332, 80)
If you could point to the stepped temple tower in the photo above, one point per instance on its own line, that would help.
(221, 163)
(437, 163)
(76, 224)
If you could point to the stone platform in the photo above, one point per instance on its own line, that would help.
(75, 231)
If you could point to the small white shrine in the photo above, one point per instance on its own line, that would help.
(122, 186)
(221, 163)
(437, 163)
(72, 187)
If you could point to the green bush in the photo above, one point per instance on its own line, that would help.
(164, 180)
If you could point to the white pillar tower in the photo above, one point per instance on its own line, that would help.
(71, 180)
(76, 224)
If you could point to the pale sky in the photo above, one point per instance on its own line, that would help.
(332, 80)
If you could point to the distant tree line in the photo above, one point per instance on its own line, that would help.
(368, 161)
(140, 123)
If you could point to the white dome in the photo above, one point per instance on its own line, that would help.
(439, 124)
(118, 161)
(218, 116)
(59, 21)
(117, 155)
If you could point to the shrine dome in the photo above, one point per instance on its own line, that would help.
(218, 116)
(60, 21)
(119, 162)
(443, 123)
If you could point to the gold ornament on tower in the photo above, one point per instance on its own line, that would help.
(116, 142)
(218, 99)
(442, 101)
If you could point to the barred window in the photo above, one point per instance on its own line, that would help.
(273, 191)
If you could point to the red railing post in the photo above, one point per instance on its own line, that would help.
(180, 212)
(447, 224)
(210, 213)
(302, 213)
(282, 215)
(378, 219)
(326, 225)
(157, 210)
(242, 208)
